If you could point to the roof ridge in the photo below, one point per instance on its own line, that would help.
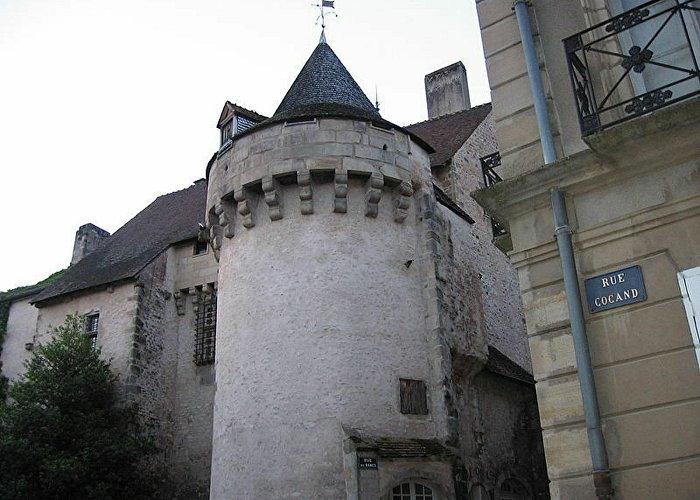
(449, 114)
(246, 110)
(194, 184)
(168, 219)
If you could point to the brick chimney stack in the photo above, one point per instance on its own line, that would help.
(447, 90)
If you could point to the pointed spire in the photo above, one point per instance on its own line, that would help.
(324, 87)
(323, 37)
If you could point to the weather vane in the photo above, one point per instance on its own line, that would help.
(325, 4)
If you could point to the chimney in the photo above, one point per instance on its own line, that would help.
(87, 238)
(447, 90)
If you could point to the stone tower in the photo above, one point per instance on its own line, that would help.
(330, 337)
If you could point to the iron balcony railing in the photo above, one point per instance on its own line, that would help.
(488, 164)
(634, 63)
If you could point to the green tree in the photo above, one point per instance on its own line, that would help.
(63, 433)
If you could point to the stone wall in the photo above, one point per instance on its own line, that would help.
(447, 90)
(88, 238)
(339, 275)
(21, 330)
(116, 306)
(321, 316)
(146, 330)
(193, 385)
(322, 296)
(514, 113)
(284, 152)
(465, 171)
(501, 436)
(459, 332)
(503, 314)
(486, 410)
(492, 272)
(149, 376)
(633, 199)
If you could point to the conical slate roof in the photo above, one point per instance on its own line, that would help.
(325, 87)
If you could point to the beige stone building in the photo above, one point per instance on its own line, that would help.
(325, 315)
(597, 115)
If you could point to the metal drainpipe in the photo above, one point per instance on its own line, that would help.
(596, 441)
(533, 72)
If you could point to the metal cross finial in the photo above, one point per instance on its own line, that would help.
(325, 4)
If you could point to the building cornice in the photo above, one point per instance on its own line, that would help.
(621, 152)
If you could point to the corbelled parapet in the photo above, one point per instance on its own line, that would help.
(288, 167)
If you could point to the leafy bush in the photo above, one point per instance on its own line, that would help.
(63, 433)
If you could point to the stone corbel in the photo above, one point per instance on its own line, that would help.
(305, 192)
(179, 303)
(208, 289)
(194, 297)
(215, 239)
(271, 188)
(402, 200)
(239, 195)
(223, 210)
(340, 204)
(374, 194)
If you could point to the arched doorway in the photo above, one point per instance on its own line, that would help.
(512, 489)
(412, 491)
(479, 492)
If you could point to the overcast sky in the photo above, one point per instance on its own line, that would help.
(107, 104)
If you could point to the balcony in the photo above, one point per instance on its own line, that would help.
(488, 165)
(637, 62)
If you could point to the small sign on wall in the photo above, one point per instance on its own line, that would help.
(616, 289)
(367, 462)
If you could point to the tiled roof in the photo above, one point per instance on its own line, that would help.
(169, 219)
(324, 81)
(448, 133)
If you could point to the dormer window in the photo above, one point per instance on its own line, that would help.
(227, 131)
(235, 120)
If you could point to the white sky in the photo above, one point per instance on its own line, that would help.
(107, 104)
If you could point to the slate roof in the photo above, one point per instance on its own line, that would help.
(448, 202)
(325, 84)
(448, 133)
(235, 108)
(410, 448)
(169, 219)
(391, 447)
(501, 364)
(325, 88)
